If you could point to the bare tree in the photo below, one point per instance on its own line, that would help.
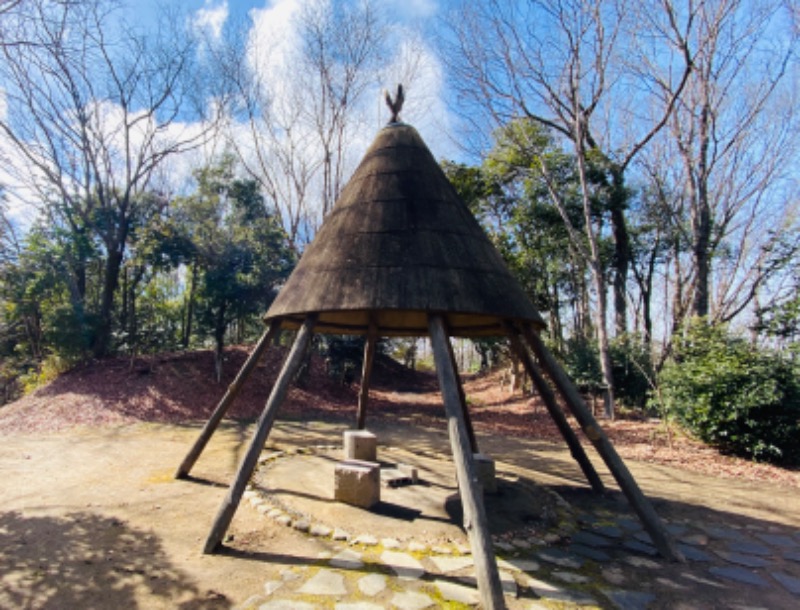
(342, 50)
(733, 134)
(94, 107)
(563, 63)
(301, 101)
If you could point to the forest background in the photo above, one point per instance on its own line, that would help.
(636, 163)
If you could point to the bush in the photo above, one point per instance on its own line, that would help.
(728, 393)
(582, 362)
(632, 370)
(631, 367)
(343, 356)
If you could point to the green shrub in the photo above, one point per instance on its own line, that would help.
(632, 370)
(343, 356)
(582, 361)
(631, 367)
(734, 396)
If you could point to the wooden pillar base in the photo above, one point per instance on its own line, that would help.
(475, 522)
(658, 533)
(366, 373)
(549, 399)
(265, 422)
(227, 400)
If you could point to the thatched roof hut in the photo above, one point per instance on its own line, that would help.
(401, 254)
(399, 245)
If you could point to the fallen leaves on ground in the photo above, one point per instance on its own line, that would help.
(179, 388)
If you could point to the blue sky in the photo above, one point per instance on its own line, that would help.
(395, 10)
(425, 108)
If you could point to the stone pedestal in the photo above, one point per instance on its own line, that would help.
(484, 465)
(360, 445)
(358, 483)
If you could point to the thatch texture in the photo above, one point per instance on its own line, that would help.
(400, 244)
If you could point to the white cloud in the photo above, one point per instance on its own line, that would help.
(274, 50)
(273, 40)
(211, 18)
(419, 70)
(413, 9)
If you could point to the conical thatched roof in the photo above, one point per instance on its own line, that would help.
(399, 244)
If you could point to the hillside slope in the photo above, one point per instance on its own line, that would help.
(178, 388)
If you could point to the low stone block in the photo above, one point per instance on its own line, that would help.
(399, 477)
(484, 466)
(357, 483)
(360, 445)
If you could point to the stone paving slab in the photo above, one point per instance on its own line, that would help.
(452, 564)
(747, 561)
(739, 574)
(629, 600)
(606, 560)
(403, 565)
(518, 564)
(561, 558)
(589, 539)
(640, 547)
(693, 554)
(589, 552)
(358, 606)
(748, 548)
(411, 600)
(453, 592)
(790, 583)
(553, 592)
(779, 540)
(347, 559)
(284, 604)
(372, 584)
(792, 555)
(571, 577)
(325, 582)
(609, 531)
(722, 533)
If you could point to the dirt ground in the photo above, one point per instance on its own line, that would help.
(91, 516)
(94, 518)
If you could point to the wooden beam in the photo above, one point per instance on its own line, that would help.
(462, 397)
(265, 422)
(638, 501)
(366, 372)
(555, 411)
(475, 522)
(227, 400)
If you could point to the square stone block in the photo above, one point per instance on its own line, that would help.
(360, 445)
(358, 483)
(484, 467)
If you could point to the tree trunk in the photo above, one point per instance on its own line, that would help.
(595, 265)
(602, 340)
(701, 214)
(102, 342)
(219, 342)
(700, 250)
(187, 329)
(622, 257)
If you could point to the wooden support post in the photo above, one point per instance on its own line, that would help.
(227, 400)
(248, 463)
(366, 372)
(555, 412)
(462, 397)
(475, 522)
(638, 501)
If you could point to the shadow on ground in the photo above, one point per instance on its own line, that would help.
(96, 561)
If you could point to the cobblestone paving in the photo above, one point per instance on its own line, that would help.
(609, 562)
